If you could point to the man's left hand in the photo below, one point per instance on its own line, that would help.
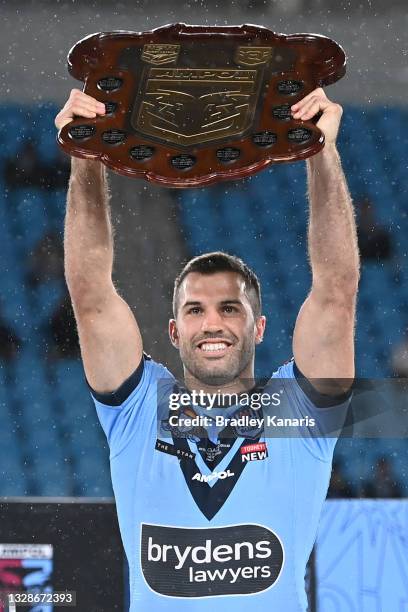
(312, 104)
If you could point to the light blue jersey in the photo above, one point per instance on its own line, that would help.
(216, 524)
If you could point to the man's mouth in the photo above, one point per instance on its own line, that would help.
(214, 347)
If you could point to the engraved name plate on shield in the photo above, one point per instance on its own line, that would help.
(193, 105)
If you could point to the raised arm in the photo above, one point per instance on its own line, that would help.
(323, 342)
(110, 340)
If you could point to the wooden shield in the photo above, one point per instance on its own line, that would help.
(192, 105)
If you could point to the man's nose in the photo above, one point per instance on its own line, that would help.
(212, 321)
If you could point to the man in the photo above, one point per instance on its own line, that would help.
(208, 515)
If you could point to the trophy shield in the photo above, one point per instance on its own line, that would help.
(188, 106)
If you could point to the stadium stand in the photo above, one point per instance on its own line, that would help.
(50, 441)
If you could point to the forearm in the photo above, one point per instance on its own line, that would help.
(88, 238)
(332, 236)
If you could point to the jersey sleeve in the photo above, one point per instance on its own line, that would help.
(322, 416)
(132, 406)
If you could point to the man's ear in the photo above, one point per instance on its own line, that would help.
(260, 324)
(173, 333)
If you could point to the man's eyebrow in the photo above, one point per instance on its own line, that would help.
(224, 302)
(191, 303)
(234, 301)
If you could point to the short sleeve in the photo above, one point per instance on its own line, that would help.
(130, 407)
(321, 416)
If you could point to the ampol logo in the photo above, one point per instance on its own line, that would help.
(208, 478)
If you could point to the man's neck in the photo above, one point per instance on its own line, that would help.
(244, 383)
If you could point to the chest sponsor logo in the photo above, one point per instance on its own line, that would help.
(195, 563)
(254, 452)
(208, 478)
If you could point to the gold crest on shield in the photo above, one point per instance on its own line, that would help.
(253, 56)
(189, 106)
(160, 54)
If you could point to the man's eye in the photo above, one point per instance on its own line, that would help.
(195, 310)
(229, 309)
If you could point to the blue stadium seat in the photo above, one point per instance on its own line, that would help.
(55, 485)
(32, 216)
(47, 296)
(11, 463)
(14, 305)
(13, 483)
(14, 129)
(45, 132)
(55, 203)
(93, 476)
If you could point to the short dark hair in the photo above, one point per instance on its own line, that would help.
(218, 261)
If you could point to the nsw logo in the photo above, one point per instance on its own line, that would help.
(233, 560)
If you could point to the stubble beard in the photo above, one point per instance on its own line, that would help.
(221, 372)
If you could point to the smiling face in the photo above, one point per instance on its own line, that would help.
(215, 329)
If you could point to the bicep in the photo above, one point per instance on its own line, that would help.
(323, 341)
(110, 341)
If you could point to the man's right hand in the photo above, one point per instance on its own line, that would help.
(79, 104)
